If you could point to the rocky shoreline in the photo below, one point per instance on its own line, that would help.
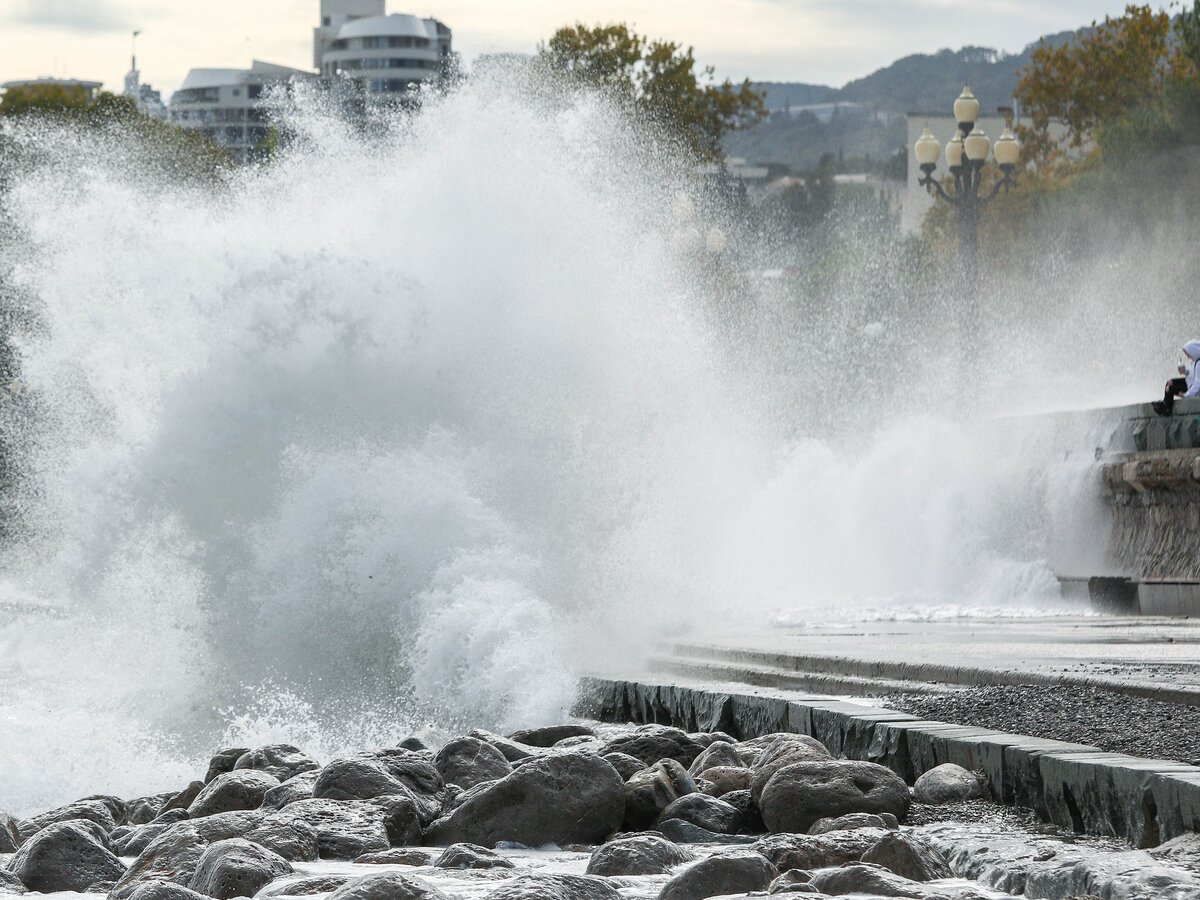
(572, 812)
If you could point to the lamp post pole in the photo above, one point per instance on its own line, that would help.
(966, 154)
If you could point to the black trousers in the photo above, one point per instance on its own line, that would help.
(1175, 387)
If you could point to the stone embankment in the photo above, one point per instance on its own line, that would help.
(641, 813)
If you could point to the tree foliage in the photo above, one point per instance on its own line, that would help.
(657, 79)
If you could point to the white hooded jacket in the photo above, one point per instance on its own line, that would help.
(1192, 349)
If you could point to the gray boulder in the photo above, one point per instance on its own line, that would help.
(222, 826)
(144, 809)
(861, 879)
(10, 833)
(139, 838)
(303, 887)
(281, 760)
(65, 856)
(705, 812)
(652, 743)
(564, 798)
(550, 735)
(386, 773)
(682, 832)
(909, 857)
(468, 761)
(183, 799)
(721, 780)
(853, 821)
(236, 868)
(512, 751)
(345, 829)
(638, 854)
(625, 764)
(556, 887)
(170, 857)
(785, 750)
(471, 856)
(298, 787)
(733, 872)
(91, 810)
(652, 790)
(743, 802)
(751, 749)
(818, 851)
(164, 890)
(170, 816)
(396, 856)
(240, 789)
(800, 794)
(387, 886)
(718, 753)
(947, 783)
(294, 841)
(10, 883)
(795, 881)
(223, 761)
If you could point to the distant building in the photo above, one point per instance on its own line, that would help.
(823, 112)
(384, 56)
(230, 106)
(91, 87)
(148, 100)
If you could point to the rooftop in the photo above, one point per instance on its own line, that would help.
(388, 26)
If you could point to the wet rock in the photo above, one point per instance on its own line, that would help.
(468, 761)
(853, 821)
(721, 780)
(223, 761)
(861, 879)
(65, 856)
(240, 789)
(556, 887)
(909, 857)
(298, 787)
(800, 794)
(625, 764)
(221, 826)
(734, 872)
(90, 810)
(743, 802)
(164, 890)
(652, 743)
(471, 856)
(512, 751)
(144, 810)
(384, 773)
(170, 816)
(795, 881)
(10, 883)
(705, 812)
(281, 760)
(751, 749)
(652, 790)
(183, 799)
(785, 750)
(718, 753)
(548, 737)
(304, 887)
(10, 833)
(236, 868)
(294, 841)
(808, 851)
(345, 829)
(948, 783)
(686, 833)
(387, 886)
(397, 856)
(170, 857)
(640, 854)
(139, 838)
(567, 797)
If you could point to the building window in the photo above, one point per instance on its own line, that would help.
(237, 92)
(339, 45)
(254, 91)
(400, 42)
(327, 21)
(373, 43)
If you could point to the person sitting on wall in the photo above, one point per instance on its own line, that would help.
(1186, 386)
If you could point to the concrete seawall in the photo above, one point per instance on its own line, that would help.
(1072, 785)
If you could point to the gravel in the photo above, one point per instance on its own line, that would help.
(1115, 722)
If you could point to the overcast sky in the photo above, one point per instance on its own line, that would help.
(821, 41)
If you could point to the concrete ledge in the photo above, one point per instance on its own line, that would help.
(1072, 785)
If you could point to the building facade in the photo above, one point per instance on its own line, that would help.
(231, 106)
(89, 87)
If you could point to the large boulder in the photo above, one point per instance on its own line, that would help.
(561, 798)
(718, 753)
(638, 854)
(304, 887)
(743, 802)
(298, 787)
(948, 783)
(721, 780)
(468, 761)
(10, 833)
(809, 851)
(625, 764)
(550, 735)
(143, 810)
(387, 886)
(396, 856)
(345, 829)
(294, 841)
(383, 773)
(733, 872)
(170, 857)
(556, 887)
(183, 799)
(236, 868)
(240, 789)
(471, 856)
(139, 838)
(800, 794)
(223, 761)
(65, 856)
(513, 751)
(281, 760)
(92, 810)
(652, 790)
(682, 832)
(909, 857)
(854, 820)
(705, 812)
(651, 743)
(862, 879)
(784, 751)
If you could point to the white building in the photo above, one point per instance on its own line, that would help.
(383, 55)
(230, 106)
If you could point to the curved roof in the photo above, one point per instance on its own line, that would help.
(388, 26)
(208, 78)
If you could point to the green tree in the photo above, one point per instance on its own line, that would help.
(656, 79)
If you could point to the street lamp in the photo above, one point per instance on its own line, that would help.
(966, 154)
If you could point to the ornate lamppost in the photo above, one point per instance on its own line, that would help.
(966, 154)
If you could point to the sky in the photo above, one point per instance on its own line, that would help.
(819, 41)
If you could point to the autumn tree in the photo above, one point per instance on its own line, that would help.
(659, 80)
